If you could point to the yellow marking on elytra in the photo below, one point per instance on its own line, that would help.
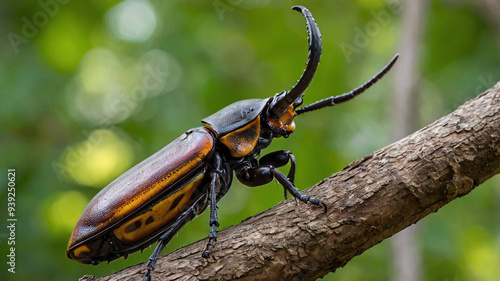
(170, 178)
(160, 214)
(80, 252)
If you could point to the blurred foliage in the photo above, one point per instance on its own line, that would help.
(90, 88)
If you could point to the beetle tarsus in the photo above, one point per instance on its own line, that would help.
(147, 275)
(152, 260)
(318, 203)
(285, 182)
(208, 250)
(212, 237)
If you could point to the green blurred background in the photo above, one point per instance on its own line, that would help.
(90, 88)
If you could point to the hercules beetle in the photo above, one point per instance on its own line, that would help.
(153, 200)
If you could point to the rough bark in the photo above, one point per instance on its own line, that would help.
(406, 257)
(368, 201)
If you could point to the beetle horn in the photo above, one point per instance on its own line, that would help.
(282, 101)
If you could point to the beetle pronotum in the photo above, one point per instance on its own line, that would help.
(154, 199)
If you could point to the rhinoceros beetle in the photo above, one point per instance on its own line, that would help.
(154, 199)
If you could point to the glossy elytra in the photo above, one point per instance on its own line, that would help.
(153, 200)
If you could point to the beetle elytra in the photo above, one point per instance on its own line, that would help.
(154, 199)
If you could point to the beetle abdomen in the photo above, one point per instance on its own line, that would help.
(161, 214)
(144, 199)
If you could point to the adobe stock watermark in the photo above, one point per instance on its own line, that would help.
(364, 36)
(153, 82)
(484, 83)
(31, 25)
(11, 220)
(223, 6)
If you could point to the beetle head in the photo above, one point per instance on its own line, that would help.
(283, 124)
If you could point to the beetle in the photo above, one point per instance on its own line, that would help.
(154, 199)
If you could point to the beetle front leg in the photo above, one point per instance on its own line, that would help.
(283, 180)
(252, 175)
(278, 159)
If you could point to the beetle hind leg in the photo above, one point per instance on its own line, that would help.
(185, 217)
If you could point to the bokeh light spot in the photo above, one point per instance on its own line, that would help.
(480, 254)
(98, 71)
(99, 159)
(100, 93)
(64, 41)
(111, 87)
(63, 210)
(132, 20)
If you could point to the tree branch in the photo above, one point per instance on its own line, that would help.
(368, 201)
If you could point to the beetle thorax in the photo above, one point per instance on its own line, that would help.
(238, 125)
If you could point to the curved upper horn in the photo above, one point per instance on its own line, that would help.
(282, 101)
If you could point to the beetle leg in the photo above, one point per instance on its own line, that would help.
(278, 159)
(285, 182)
(188, 215)
(219, 185)
(214, 221)
(266, 171)
(254, 176)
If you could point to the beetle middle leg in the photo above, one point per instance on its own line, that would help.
(214, 221)
(219, 185)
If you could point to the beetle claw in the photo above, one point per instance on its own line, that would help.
(210, 245)
(150, 267)
(318, 203)
(147, 276)
(323, 205)
(206, 254)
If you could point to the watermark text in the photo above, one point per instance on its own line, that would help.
(11, 220)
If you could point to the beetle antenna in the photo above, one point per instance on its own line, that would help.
(282, 101)
(331, 101)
